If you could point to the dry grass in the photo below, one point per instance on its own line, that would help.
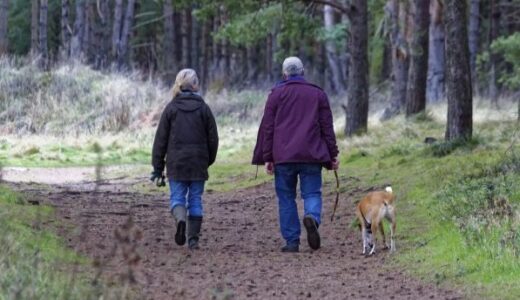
(488, 122)
(71, 99)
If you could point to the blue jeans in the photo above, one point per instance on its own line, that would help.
(285, 180)
(194, 190)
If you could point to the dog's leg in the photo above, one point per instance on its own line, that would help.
(364, 238)
(374, 236)
(392, 233)
(382, 229)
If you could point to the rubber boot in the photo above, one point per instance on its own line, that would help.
(194, 225)
(179, 214)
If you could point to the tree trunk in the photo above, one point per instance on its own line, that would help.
(243, 67)
(4, 12)
(35, 20)
(65, 30)
(44, 59)
(269, 57)
(215, 50)
(386, 68)
(76, 47)
(398, 13)
(169, 53)
(345, 55)
(493, 59)
(87, 35)
(319, 63)
(123, 53)
(436, 62)
(357, 106)
(332, 56)
(205, 59)
(195, 43)
(458, 75)
(226, 53)
(474, 26)
(417, 75)
(509, 16)
(116, 27)
(252, 66)
(186, 40)
(103, 34)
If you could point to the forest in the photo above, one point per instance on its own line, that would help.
(425, 97)
(393, 45)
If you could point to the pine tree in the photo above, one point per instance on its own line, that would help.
(458, 74)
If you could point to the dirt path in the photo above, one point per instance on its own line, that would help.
(240, 255)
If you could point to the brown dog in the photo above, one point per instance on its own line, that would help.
(371, 211)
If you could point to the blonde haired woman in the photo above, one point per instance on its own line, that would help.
(187, 137)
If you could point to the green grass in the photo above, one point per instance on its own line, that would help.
(34, 263)
(69, 154)
(433, 240)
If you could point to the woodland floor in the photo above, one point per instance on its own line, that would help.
(240, 246)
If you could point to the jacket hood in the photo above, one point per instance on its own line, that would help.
(188, 101)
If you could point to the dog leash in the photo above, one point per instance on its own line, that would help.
(337, 196)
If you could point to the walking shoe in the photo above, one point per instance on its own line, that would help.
(291, 248)
(313, 236)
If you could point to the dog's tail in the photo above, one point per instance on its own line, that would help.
(389, 190)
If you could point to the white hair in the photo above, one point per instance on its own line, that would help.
(292, 66)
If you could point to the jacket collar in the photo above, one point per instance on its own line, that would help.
(290, 79)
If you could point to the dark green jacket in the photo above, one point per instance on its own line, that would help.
(187, 136)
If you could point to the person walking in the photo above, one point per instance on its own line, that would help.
(295, 140)
(187, 137)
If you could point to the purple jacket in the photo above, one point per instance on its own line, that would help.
(297, 126)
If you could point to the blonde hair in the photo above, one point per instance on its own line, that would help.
(186, 80)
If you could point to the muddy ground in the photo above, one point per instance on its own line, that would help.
(239, 256)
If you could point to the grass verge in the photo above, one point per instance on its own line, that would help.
(33, 261)
(458, 203)
(36, 264)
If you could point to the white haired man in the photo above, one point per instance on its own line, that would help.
(295, 140)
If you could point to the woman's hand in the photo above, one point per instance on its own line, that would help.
(158, 178)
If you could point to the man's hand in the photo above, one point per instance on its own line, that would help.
(269, 168)
(158, 178)
(335, 164)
